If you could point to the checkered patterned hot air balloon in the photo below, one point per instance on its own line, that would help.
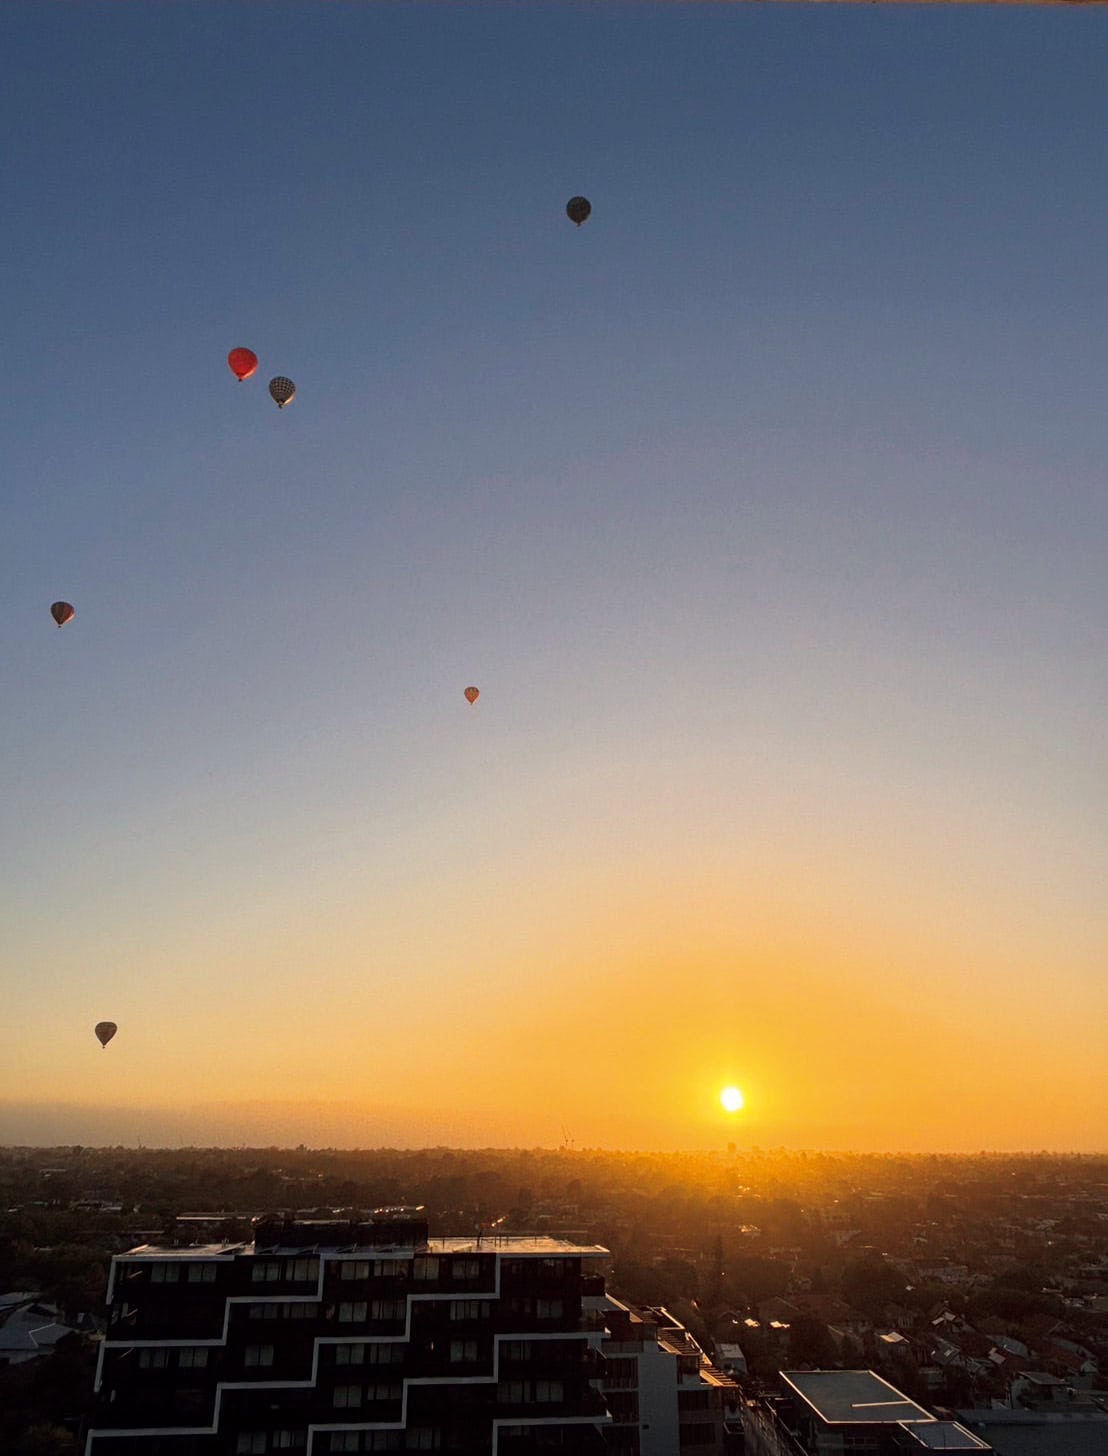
(283, 390)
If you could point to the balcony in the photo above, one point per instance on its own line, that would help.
(578, 1405)
(156, 1322)
(578, 1440)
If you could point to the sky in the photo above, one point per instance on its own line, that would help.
(767, 510)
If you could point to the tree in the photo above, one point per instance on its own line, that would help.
(810, 1343)
(871, 1283)
(44, 1439)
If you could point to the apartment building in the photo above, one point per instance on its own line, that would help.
(665, 1396)
(352, 1335)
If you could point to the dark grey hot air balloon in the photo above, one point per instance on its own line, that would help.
(62, 613)
(105, 1030)
(283, 390)
(578, 209)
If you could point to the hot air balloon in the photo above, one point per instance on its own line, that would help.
(105, 1030)
(282, 390)
(62, 613)
(243, 362)
(578, 209)
(472, 694)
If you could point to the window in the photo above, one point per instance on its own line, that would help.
(265, 1271)
(165, 1272)
(526, 1392)
(347, 1396)
(256, 1355)
(465, 1269)
(424, 1438)
(384, 1441)
(516, 1350)
(303, 1309)
(264, 1311)
(462, 1350)
(288, 1440)
(193, 1357)
(383, 1390)
(469, 1309)
(702, 1434)
(353, 1312)
(549, 1308)
(385, 1354)
(302, 1269)
(153, 1359)
(623, 1405)
(390, 1268)
(202, 1273)
(620, 1374)
(694, 1400)
(354, 1269)
(349, 1354)
(425, 1268)
(553, 1266)
(250, 1441)
(387, 1309)
(346, 1441)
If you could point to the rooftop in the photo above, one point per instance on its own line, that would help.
(944, 1436)
(854, 1396)
(537, 1245)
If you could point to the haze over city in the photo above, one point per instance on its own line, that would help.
(766, 509)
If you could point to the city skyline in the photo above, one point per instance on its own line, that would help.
(767, 511)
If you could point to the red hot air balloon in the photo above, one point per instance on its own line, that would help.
(62, 613)
(105, 1030)
(243, 362)
(472, 694)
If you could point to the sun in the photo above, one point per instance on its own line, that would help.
(732, 1099)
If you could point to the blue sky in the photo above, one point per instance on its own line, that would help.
(767, 510)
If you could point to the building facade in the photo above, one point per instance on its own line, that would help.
(665, 1396)
(363, 1335)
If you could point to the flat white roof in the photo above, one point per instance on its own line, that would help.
(854, 1396)
(192, 1251)
(526, 1245)
(945, 1436)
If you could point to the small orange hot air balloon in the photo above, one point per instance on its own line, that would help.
(243, 362)
(105, 1030)
(578, 209)
(62, 613)
(472, 694)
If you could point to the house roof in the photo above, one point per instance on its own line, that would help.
(24, 1332)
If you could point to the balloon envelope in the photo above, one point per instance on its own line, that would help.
(243, 362)
(105, 1030)
(62, 613)
(472, 694)
(578, 209)
(282, 390)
